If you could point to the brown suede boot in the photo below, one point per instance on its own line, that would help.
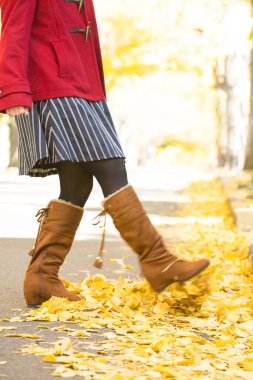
(158, 265)
(58, 224)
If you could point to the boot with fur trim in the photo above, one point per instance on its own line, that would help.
(160, 267)
(58, 224)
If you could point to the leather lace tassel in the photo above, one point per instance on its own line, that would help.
(31, 253)
(40, 216)
(98, 263)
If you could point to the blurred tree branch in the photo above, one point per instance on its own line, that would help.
(125, 46)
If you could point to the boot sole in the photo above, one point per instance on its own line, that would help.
(33, 306)
(186, 279)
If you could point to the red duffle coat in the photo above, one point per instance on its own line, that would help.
(49, 49)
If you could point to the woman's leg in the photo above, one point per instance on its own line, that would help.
(160, 267)
(76, 182)
(58, 224)
(111, 174)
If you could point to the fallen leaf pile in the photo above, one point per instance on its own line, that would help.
(122, 330)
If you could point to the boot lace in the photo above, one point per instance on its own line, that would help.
(41, 214)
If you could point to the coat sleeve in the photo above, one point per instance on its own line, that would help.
(17, 18)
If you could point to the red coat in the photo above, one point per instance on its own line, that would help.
(47, 51)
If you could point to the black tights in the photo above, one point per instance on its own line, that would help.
(76, 178)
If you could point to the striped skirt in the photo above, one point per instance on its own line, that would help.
(65, 129)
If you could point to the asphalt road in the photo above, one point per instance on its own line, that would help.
(20, 198)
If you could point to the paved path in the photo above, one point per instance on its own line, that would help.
(21, 197)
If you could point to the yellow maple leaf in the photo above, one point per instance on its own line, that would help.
(49, 358)
(26, 336)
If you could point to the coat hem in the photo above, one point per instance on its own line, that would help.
(66, 93)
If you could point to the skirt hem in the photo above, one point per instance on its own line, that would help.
(42, 169)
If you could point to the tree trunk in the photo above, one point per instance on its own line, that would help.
(248, 164)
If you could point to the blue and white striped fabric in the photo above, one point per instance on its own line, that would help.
(60, 129)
